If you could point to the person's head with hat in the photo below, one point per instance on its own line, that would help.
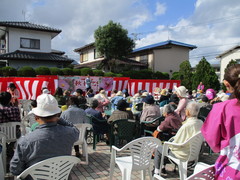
(149, 99)
(119, 93)
(122, 105)
(47, 109)
(181, 92)
(164, 92)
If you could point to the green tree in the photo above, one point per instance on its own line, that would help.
(26, 71)
(42, 70)
(9, 71)
(185, 74)
(205, 73)
(113, 42)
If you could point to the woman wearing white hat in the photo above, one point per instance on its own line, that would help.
(181, 92)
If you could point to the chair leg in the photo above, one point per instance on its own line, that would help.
(112, 166)
(126, 174)
(150, 173)
(94, 141)
(182, 170)
(143, 173)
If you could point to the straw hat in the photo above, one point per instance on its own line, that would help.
(47, 105)
(164, 92)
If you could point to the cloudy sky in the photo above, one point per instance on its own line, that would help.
(212, 25)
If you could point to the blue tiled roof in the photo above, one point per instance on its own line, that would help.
(163, 44)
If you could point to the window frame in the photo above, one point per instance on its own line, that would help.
(36, 42)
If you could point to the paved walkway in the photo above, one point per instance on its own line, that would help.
(99, 161)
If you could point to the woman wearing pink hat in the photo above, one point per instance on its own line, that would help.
(182, 94)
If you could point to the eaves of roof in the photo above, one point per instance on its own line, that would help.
(23, 55)
(228, 51)
(157, 45)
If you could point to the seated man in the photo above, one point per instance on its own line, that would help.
(171, 123)
(98, 127)
(53, 137)
(191, 126)
(150, 111)
(75, 115)
(120, 112)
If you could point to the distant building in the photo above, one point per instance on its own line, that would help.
(89, 57)
(28, 44)
(164, 56)
(226, 57)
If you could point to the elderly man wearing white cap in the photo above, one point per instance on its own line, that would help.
(53, 137)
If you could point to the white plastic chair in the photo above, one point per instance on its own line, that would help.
(194, 144)
(207, 172)
(51, 169)
(9, 129)
(82, 141)
(141, 150)
(3, 155)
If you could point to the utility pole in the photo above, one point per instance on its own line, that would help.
(24, 15)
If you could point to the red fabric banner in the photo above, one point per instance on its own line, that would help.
(29, 88)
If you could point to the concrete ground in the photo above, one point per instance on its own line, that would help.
(99, 161)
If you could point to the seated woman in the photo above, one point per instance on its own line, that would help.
(120, 112)
(191, 126)
(103, 100)
(59, 96)
(171, 123)
(150, 111)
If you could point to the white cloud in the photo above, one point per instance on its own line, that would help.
(76, 18)
(213, 28)
(160, 9)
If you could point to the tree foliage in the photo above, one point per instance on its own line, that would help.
(185, 74)
(26, 71)
(97, 72)
(112, 41)
(205, 73)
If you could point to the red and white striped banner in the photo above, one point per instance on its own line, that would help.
(150, 84)
(30, 88)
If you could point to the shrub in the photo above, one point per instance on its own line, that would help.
(166, 75)
(9, 71)
(119, 75)
(86, 71)
(26, 71)
(109, 74)
(67, 71)
(77, 72)
(175, 76)
(55, 71)
(1, 72)
(98, 72)
(42, 70)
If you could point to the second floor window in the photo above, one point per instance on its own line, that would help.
(85, 56)
(29, 43)
(97, 54)
(144, 59)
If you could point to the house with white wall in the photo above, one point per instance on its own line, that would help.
(226, 57)
(164, 56)
(90, 57)
(28, 44)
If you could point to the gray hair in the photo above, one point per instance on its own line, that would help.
(193, 108)
(92, 102)
(168, 108)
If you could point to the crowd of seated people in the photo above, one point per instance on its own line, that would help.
(175, 106)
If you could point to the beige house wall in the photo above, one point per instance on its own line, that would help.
(225, 59)
(169, 59)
